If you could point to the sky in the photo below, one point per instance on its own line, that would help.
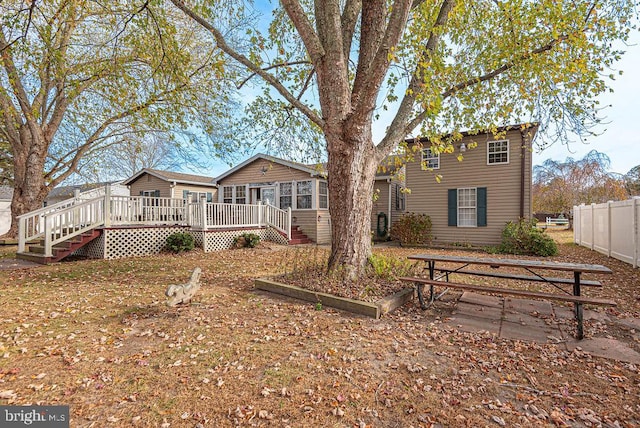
(619, 139)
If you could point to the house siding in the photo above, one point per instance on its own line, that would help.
(148, 182)
(503, 183)
(316, 224)
(252, 173)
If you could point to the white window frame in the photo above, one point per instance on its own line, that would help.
(469, 207)
(225, 198)
(310, 194)
(285, 195)
(429, 160)
(324, 195)
(236, 198)
(500, 152)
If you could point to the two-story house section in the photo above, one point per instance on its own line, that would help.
(477, 196)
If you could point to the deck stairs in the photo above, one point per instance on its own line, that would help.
(36, 250)
(298, 237)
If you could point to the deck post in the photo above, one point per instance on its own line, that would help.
(107, 205)
(260, 214)
(289, 223)
(48, 251)
(203, 208)
(22, 233)
(187, 213)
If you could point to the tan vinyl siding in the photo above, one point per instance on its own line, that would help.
(501, 180)
(275, 172)
(179, 188)
(317, 231)
(147, 182)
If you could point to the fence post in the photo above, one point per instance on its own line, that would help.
(609, 228)
(593, 225)
(203, 207)
(107, 205)
(634, 228)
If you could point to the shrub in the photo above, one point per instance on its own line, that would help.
(249, 240)
(523, 237)
(179, 242)
(412, 229)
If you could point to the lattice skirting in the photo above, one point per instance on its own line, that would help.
(115, 243)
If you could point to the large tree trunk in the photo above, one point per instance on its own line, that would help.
(352, 167)
(30, 188)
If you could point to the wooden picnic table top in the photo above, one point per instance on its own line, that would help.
(521, 263)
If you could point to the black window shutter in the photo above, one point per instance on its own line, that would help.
(142, 193)
(157, 193)
(453, 207)
(482, 206)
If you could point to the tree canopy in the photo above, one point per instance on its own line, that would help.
(428, 65)
(79, 77)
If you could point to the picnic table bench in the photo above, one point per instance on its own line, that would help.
(535, 268)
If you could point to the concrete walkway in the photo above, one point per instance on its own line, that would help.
(541, 322)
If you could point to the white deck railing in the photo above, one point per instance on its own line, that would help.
(67, 219)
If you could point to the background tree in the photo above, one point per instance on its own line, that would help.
(632, 181)
(428, 64)
(79, 77)
(558, 186)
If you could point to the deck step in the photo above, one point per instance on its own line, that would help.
(60, 250)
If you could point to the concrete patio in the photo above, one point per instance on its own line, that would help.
(541, 322)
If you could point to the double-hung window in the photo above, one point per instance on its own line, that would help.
(285, 195)
(467, 207)
(304, 194)
(430, 160)
(241, 195)
(497, 152)
(323, 195)
(227, 194)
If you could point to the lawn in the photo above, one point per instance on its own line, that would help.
(97, 335)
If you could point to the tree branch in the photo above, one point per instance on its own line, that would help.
(349, 19)
(398, 128)
(283, 64)
(307, 33)
(222, 44)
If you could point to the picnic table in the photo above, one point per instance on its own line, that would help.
(536, 272)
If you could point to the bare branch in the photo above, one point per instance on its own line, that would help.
(282, 64)
(224, 46)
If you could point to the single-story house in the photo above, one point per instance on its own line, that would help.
(167, 184)
(84, 191)
(6, 196)
(477, 196)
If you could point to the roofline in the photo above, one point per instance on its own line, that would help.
(528, 125)
(154, 173)
(269, 158)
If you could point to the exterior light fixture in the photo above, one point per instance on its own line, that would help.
(463, 147)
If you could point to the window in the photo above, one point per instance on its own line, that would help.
(399, 198)
(467, 208)
(430, 160)
(303, 192)
(323, 194)
(498, 152)
(241, 195)
(285, 196)
(227, 194)
(197, 196)
(147, 195)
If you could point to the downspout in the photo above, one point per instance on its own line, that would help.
(523, 155)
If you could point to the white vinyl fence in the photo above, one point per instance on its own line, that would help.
(611, 228)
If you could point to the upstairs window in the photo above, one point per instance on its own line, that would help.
(430, 160)
(498, 152)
